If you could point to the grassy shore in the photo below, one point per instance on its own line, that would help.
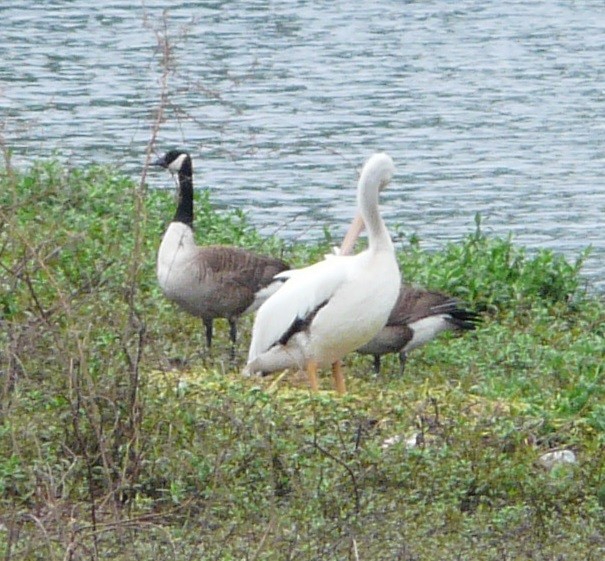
(123, 439)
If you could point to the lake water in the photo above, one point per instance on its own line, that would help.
(486, 107)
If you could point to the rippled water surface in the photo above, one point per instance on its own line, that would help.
(489, 107)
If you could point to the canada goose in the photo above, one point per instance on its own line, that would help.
(335, 306)
(418, 316)
(210, 282)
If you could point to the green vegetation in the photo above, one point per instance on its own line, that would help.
(122, 440)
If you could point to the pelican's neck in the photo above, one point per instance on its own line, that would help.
(184, 211)
(375, 175)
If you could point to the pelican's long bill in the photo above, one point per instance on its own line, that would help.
(355, 229)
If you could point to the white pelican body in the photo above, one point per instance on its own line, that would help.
(333, 307)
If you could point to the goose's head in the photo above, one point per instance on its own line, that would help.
(173, 160)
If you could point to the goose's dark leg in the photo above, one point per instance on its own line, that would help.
(208, 325)
(232, 330)
(403, 356)
(377, 364)
(232, 336)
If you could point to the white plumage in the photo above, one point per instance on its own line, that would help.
(418, 316)
(333, 307)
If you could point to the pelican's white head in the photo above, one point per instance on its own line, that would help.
(378, 170)
(376, 174)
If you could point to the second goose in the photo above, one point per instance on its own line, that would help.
(418, 317)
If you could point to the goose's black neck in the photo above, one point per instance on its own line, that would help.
(184, 211)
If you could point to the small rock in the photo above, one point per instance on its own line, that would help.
(550, 460)
(392, 440)
(410, 441)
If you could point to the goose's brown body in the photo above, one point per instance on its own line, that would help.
(419, 315)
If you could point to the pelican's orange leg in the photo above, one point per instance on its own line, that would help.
(312, 375)
(339, 379)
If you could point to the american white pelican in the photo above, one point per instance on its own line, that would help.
(417, 317)
(333, 307)
(213, 281)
